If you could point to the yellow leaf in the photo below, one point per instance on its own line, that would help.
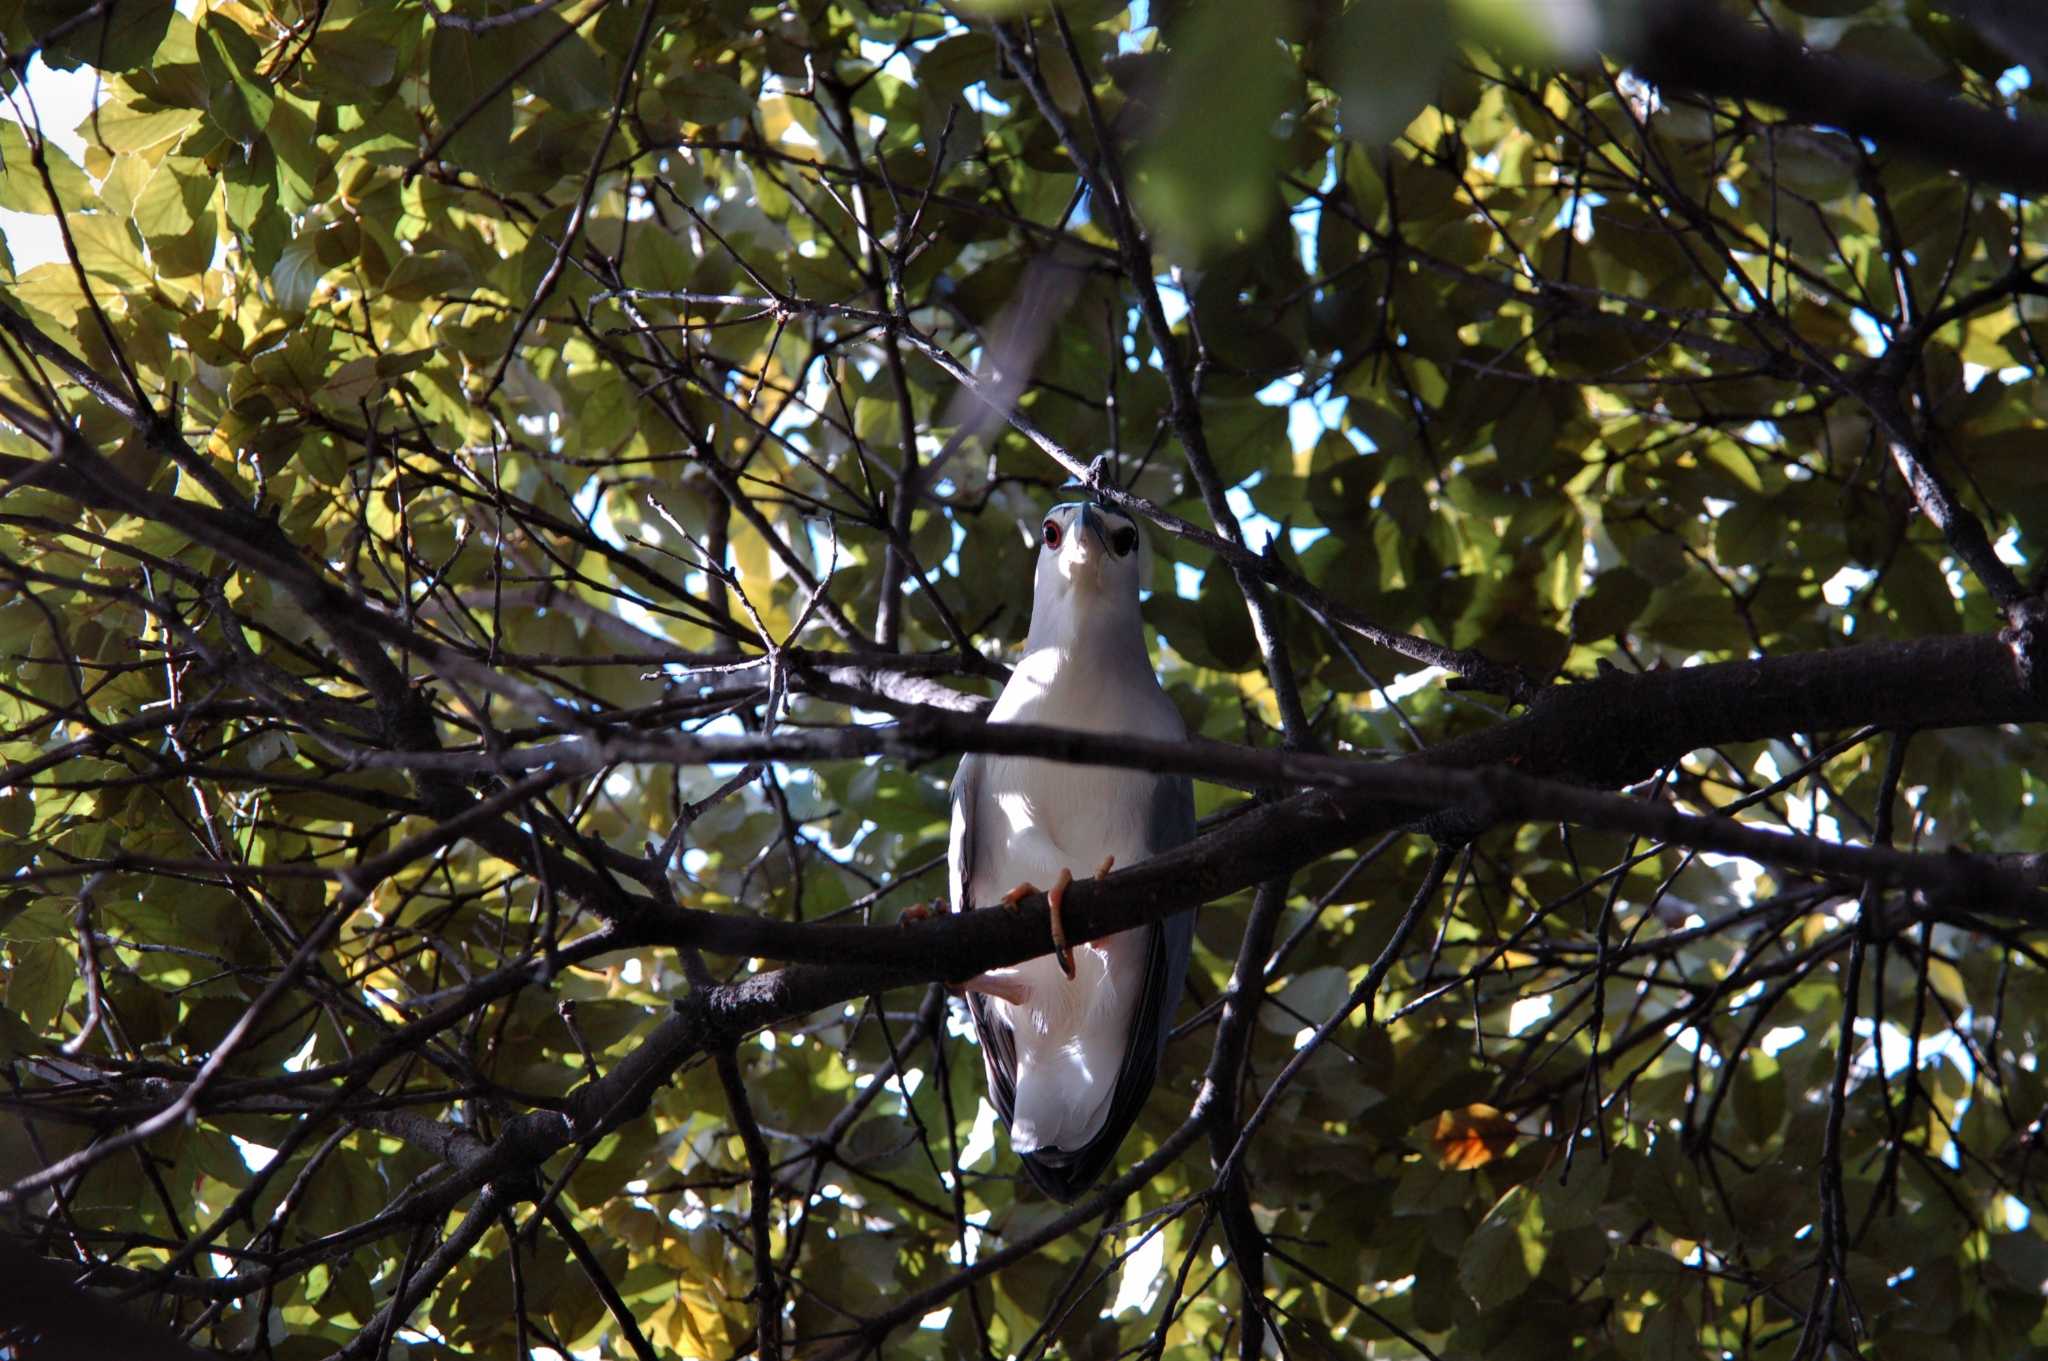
(779, 126)
(107, 248)
(52, 290)
(1730, 458)
(757, 571)
(691, 1324)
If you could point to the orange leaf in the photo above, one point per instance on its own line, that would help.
(1471, 1137)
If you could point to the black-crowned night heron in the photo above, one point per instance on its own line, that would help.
(1072, 1040)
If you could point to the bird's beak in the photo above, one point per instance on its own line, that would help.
(1091, 520)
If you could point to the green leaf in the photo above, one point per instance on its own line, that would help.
(135, 124)
(253, 210)
(462, 68)
(572, 77)
(175, 213)
(948, 68)
(429, 274)
(1730, 458)
(1749, 533)
(1668, 1334)
(1618, 596)
(109, 248)
(1208, 180)
(240, 98)
(1526, 436)
(22, 188)
(300, 162)
(1571, 1201)
(1917, 592)
(39, 978)
(1309, 999)
(120, 37)
(1385, 62)
(1501, 1257)
(706, 97)
(880, 1142)
(356, 62)
(294, 278)
(17, 813)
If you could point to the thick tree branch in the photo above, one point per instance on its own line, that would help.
(1695, 45)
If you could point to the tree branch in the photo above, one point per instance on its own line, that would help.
(1696, 45)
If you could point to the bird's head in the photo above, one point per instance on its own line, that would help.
(1088, 556)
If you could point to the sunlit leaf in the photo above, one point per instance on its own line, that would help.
(1471, 1137)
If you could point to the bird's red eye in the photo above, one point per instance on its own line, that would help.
(1051, 530)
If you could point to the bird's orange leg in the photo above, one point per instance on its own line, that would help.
(1053, 898)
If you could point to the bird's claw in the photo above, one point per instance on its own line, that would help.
(1053, 899)
(918, 912)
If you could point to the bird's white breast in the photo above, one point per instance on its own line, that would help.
(1087, 812)
(1045, 816)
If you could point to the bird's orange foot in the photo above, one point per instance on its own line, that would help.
(918, 912)
(1053, 898)
(1102, 870)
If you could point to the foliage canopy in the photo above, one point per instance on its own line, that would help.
(510, 512)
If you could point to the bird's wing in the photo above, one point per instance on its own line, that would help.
(1172, 823)
(992, 1032)
(960, 844)
(1064, 1175)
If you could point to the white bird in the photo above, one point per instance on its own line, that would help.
(1072, 1040)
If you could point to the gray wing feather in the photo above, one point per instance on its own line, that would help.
(1171, 820)
(1172, 824)
(1064, 1174)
